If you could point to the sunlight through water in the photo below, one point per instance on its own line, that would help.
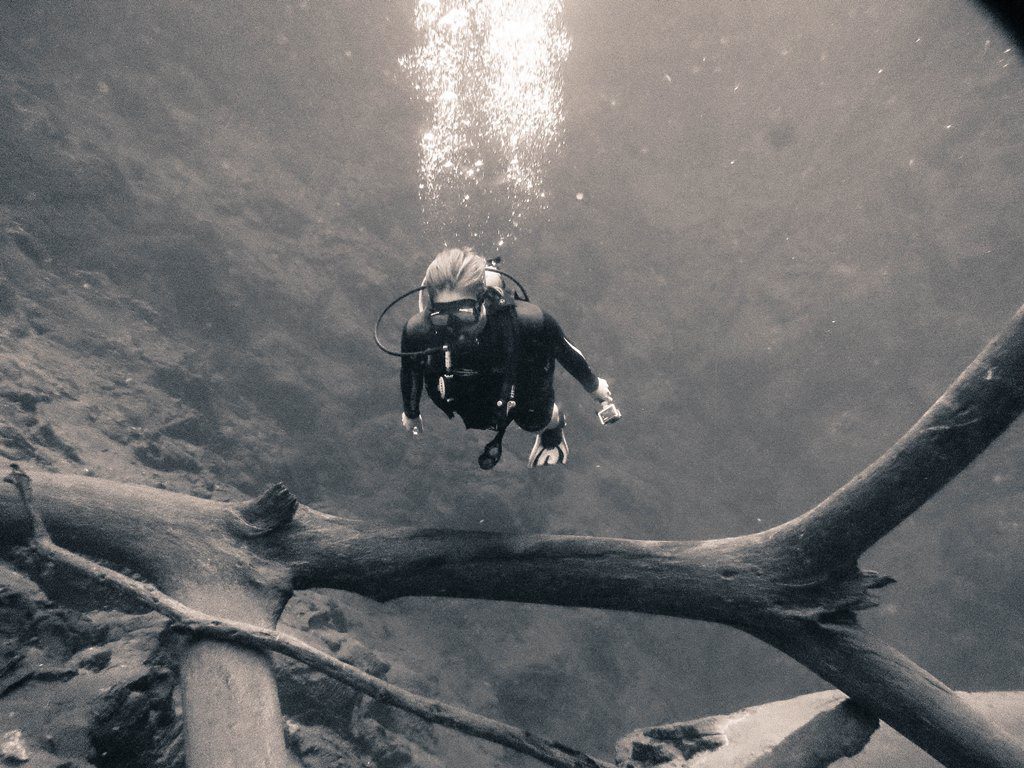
(489, 72)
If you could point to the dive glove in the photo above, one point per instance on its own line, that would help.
(414, 426)
(608, 412)
(602, 393)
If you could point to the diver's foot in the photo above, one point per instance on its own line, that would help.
(550, 447)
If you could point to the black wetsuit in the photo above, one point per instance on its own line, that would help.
(480, 367)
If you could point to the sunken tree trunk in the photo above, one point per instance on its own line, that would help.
(190, 550)
(796, 586)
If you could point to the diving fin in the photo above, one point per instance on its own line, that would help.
(550, 446)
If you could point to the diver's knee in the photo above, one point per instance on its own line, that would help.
(536, 420)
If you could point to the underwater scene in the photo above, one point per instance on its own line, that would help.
(777, 230)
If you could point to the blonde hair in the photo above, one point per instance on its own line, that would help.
(454, 269)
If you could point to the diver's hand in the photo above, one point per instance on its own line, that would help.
(607, 411)
(412, 426)
(602, 393)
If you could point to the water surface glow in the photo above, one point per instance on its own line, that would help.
(489, 72)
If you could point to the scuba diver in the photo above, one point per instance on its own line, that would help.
(490, 358)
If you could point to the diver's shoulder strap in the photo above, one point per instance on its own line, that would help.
(529, 323)
(508, 325)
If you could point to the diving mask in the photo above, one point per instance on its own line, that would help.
(462, 313)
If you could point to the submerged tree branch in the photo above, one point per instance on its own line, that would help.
(196, 623)
(839, 732)
(918, 705)
(797, 586)
(431, 710)
(976, 408)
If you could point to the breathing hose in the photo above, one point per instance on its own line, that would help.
(433, 350)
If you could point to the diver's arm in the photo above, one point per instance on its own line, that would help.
(412, 387)
(411, 376)
(569, 356)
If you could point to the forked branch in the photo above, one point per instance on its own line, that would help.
(198, 624)
(797, 586)
(973, 411)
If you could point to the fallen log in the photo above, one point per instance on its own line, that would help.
(796, 586)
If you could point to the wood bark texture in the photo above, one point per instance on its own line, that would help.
(220, 676)
(796, 586)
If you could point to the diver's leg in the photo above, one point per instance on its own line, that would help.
(535, 398)
(534, 417)
(538, 412)
(550, 446)
(556, 417)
